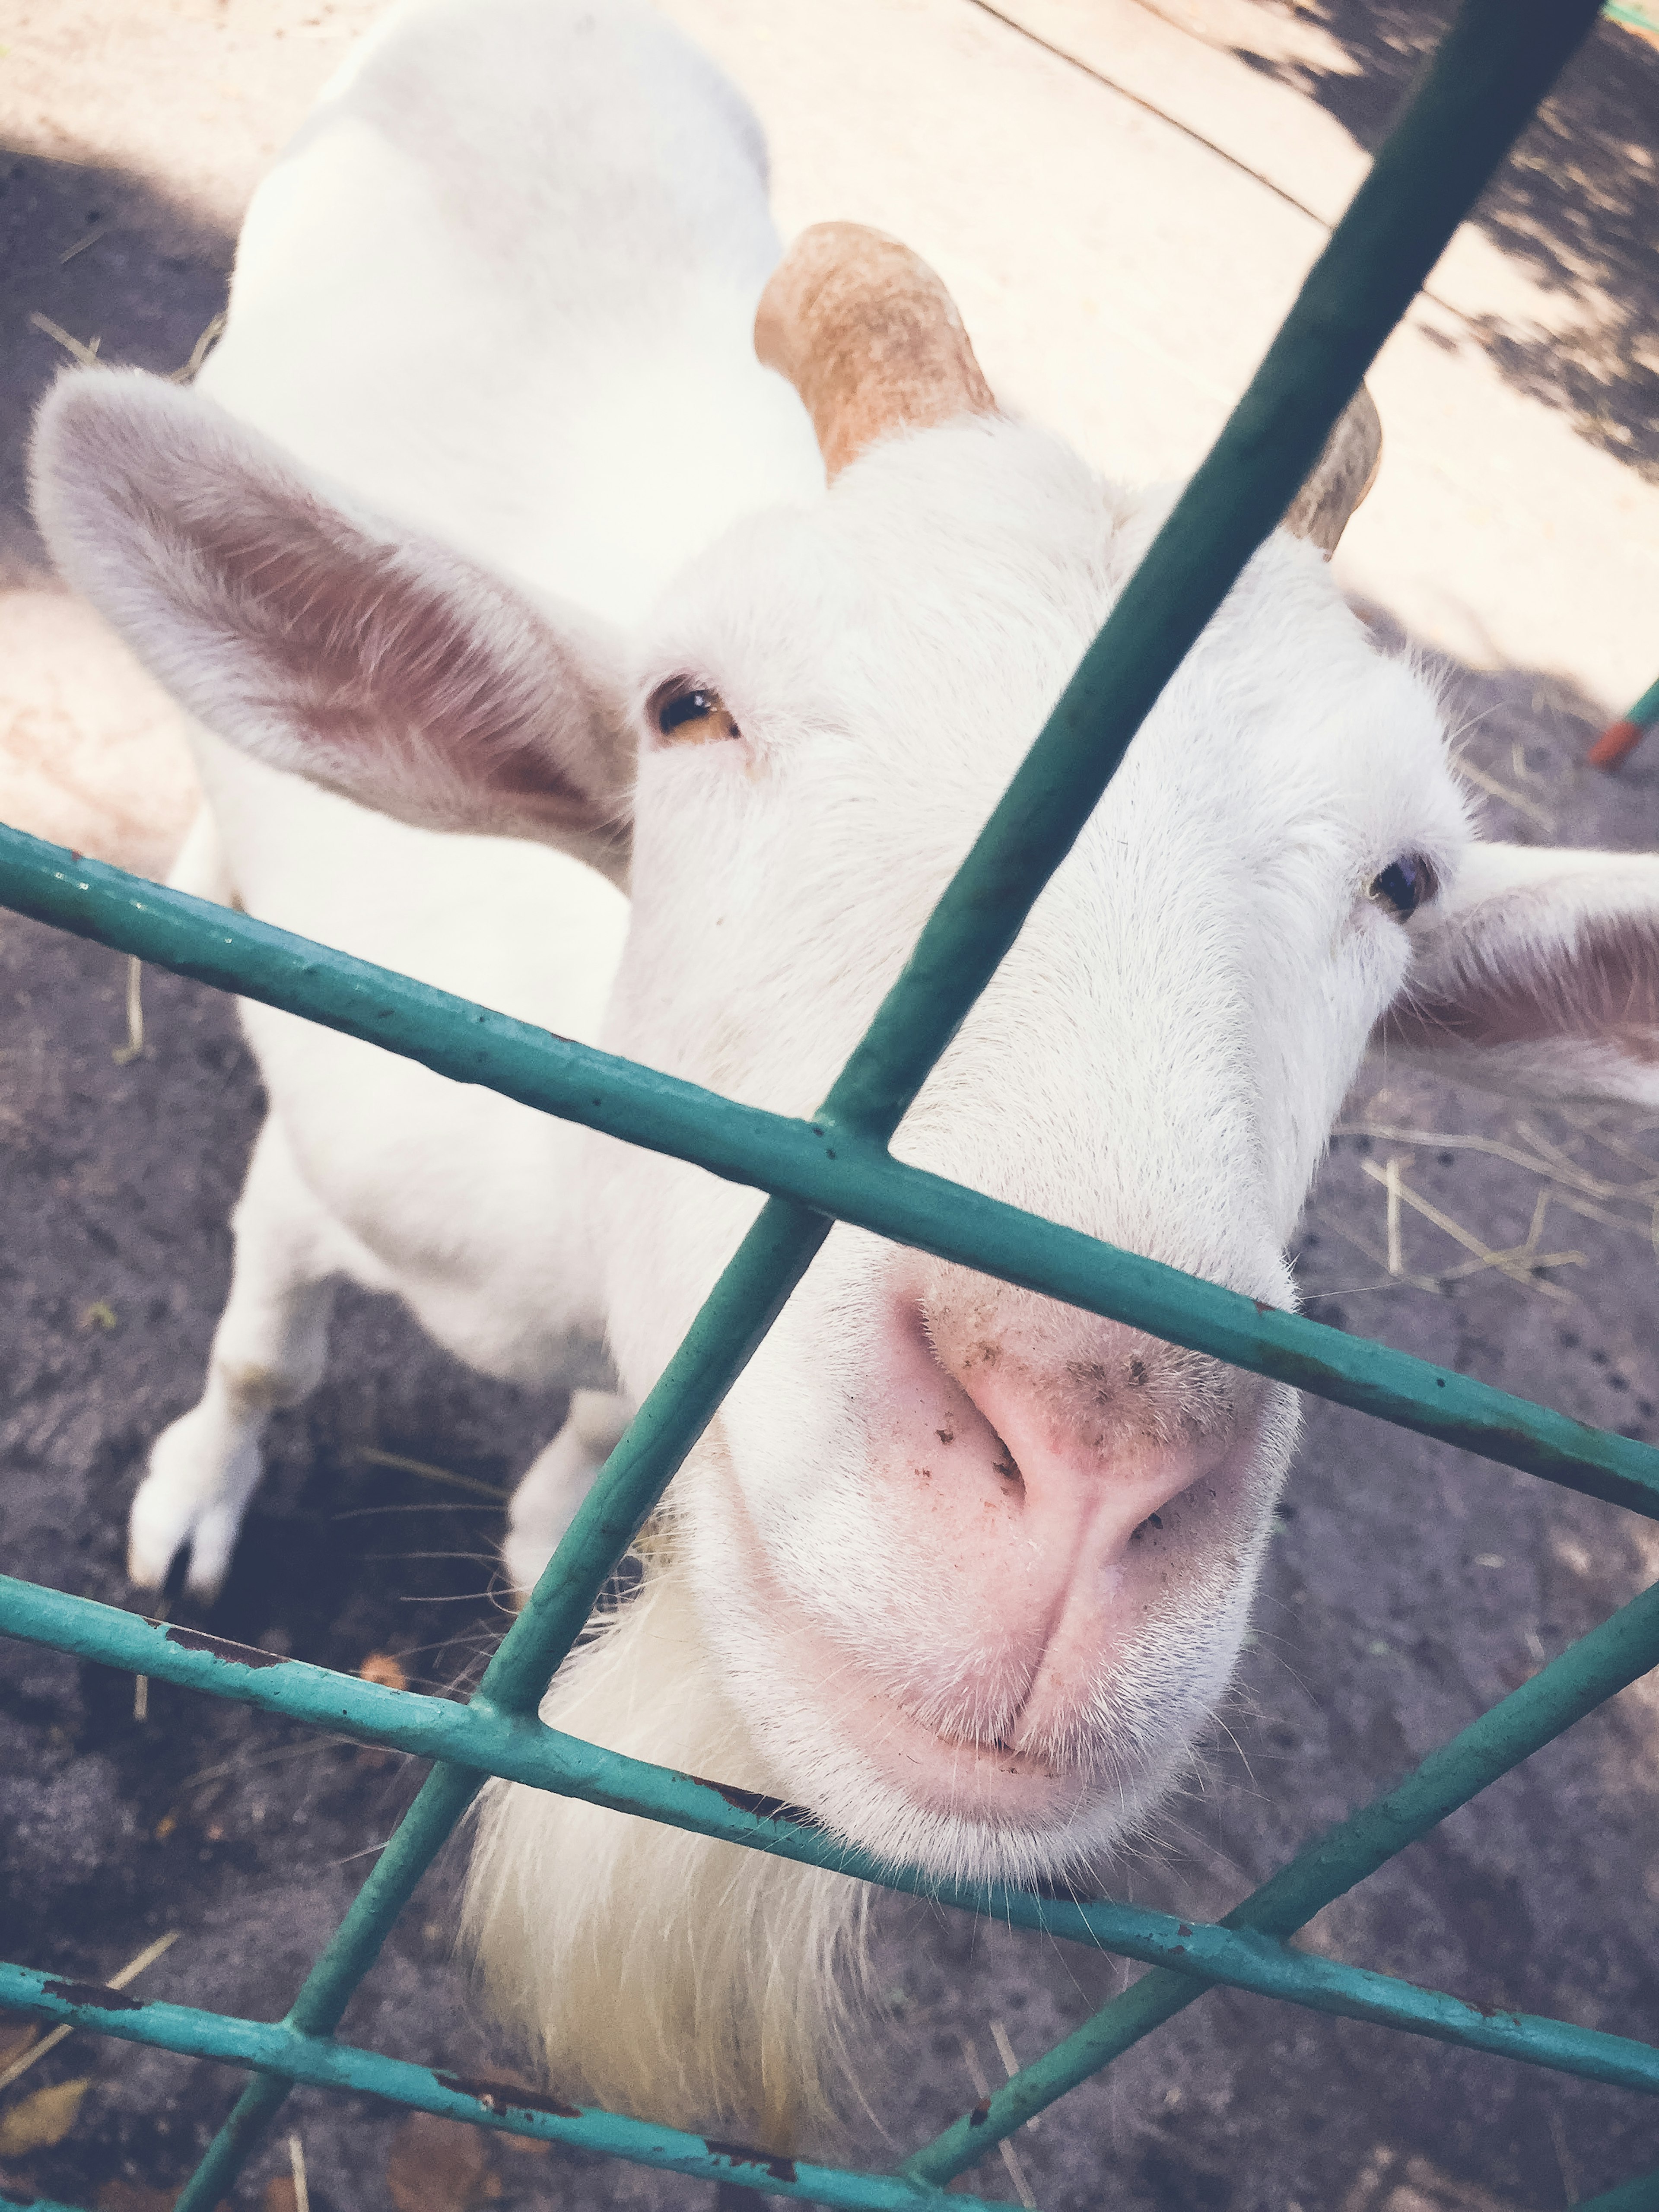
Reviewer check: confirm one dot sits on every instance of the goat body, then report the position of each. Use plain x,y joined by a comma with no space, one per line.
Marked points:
498,574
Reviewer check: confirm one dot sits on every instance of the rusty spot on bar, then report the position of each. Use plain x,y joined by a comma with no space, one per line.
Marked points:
238,1655
94,1996
504,2097
980,2113
779,2169
762,1807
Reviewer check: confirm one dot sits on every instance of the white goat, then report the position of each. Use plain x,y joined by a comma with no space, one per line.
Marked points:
484,521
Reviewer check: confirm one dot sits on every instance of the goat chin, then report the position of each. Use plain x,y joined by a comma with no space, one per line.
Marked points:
645,1969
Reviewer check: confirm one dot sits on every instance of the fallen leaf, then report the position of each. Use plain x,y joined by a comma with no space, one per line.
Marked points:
42,2120
439,2165
281,2195
383,1667
17,2035
530,2146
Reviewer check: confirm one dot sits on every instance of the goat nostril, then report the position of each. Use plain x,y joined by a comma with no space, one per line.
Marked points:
1152,1521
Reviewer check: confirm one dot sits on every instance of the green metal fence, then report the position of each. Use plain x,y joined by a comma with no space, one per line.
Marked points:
1495,64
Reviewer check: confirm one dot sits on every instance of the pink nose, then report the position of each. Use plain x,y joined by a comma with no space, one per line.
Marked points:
1089,1477
1050,1481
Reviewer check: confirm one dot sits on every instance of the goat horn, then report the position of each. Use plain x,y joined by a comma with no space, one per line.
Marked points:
870,338
1340,477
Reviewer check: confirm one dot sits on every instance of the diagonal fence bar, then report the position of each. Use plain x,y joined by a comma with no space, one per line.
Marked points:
1639,2194
1493,66
1605,1661
506,2108
1251,1961
1600,1664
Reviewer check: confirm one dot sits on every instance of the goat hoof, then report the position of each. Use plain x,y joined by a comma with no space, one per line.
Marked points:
524,1556
192,1501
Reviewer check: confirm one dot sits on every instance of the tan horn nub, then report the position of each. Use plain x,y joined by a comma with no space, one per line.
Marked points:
869,337
1340,477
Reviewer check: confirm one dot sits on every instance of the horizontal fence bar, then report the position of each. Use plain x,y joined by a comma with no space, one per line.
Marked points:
508,2108
526,1750
1607,1659
830,1171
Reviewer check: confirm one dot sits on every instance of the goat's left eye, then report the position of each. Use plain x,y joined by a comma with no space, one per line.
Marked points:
691,714
1404,885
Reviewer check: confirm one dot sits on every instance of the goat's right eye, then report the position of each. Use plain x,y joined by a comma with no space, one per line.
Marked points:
692,716
1404,885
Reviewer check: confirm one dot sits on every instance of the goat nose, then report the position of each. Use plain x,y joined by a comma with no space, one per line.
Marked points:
1085,1481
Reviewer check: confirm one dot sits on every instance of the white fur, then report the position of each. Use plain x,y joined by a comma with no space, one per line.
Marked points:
485,463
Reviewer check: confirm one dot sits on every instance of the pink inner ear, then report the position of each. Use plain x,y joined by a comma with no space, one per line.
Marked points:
1506,985
405,677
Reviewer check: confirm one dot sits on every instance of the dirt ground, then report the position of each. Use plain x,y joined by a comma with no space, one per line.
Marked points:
1409,1585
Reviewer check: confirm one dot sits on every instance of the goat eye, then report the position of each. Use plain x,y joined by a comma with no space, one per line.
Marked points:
692,716
1404,885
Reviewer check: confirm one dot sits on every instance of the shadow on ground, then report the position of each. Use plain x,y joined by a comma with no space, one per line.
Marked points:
1577,205
116,266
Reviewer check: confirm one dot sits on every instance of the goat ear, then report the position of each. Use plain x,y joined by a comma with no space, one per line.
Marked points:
1537,973
324,640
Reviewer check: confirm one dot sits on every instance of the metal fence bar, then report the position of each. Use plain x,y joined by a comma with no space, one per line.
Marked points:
821,1167
1640,2194
1242,1951
1490,71
1239,1957
508,2108
485,1740
1599,1665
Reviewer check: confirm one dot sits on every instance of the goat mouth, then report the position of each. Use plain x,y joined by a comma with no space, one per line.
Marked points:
951,1770
1050,1729
939,1767
994,1754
